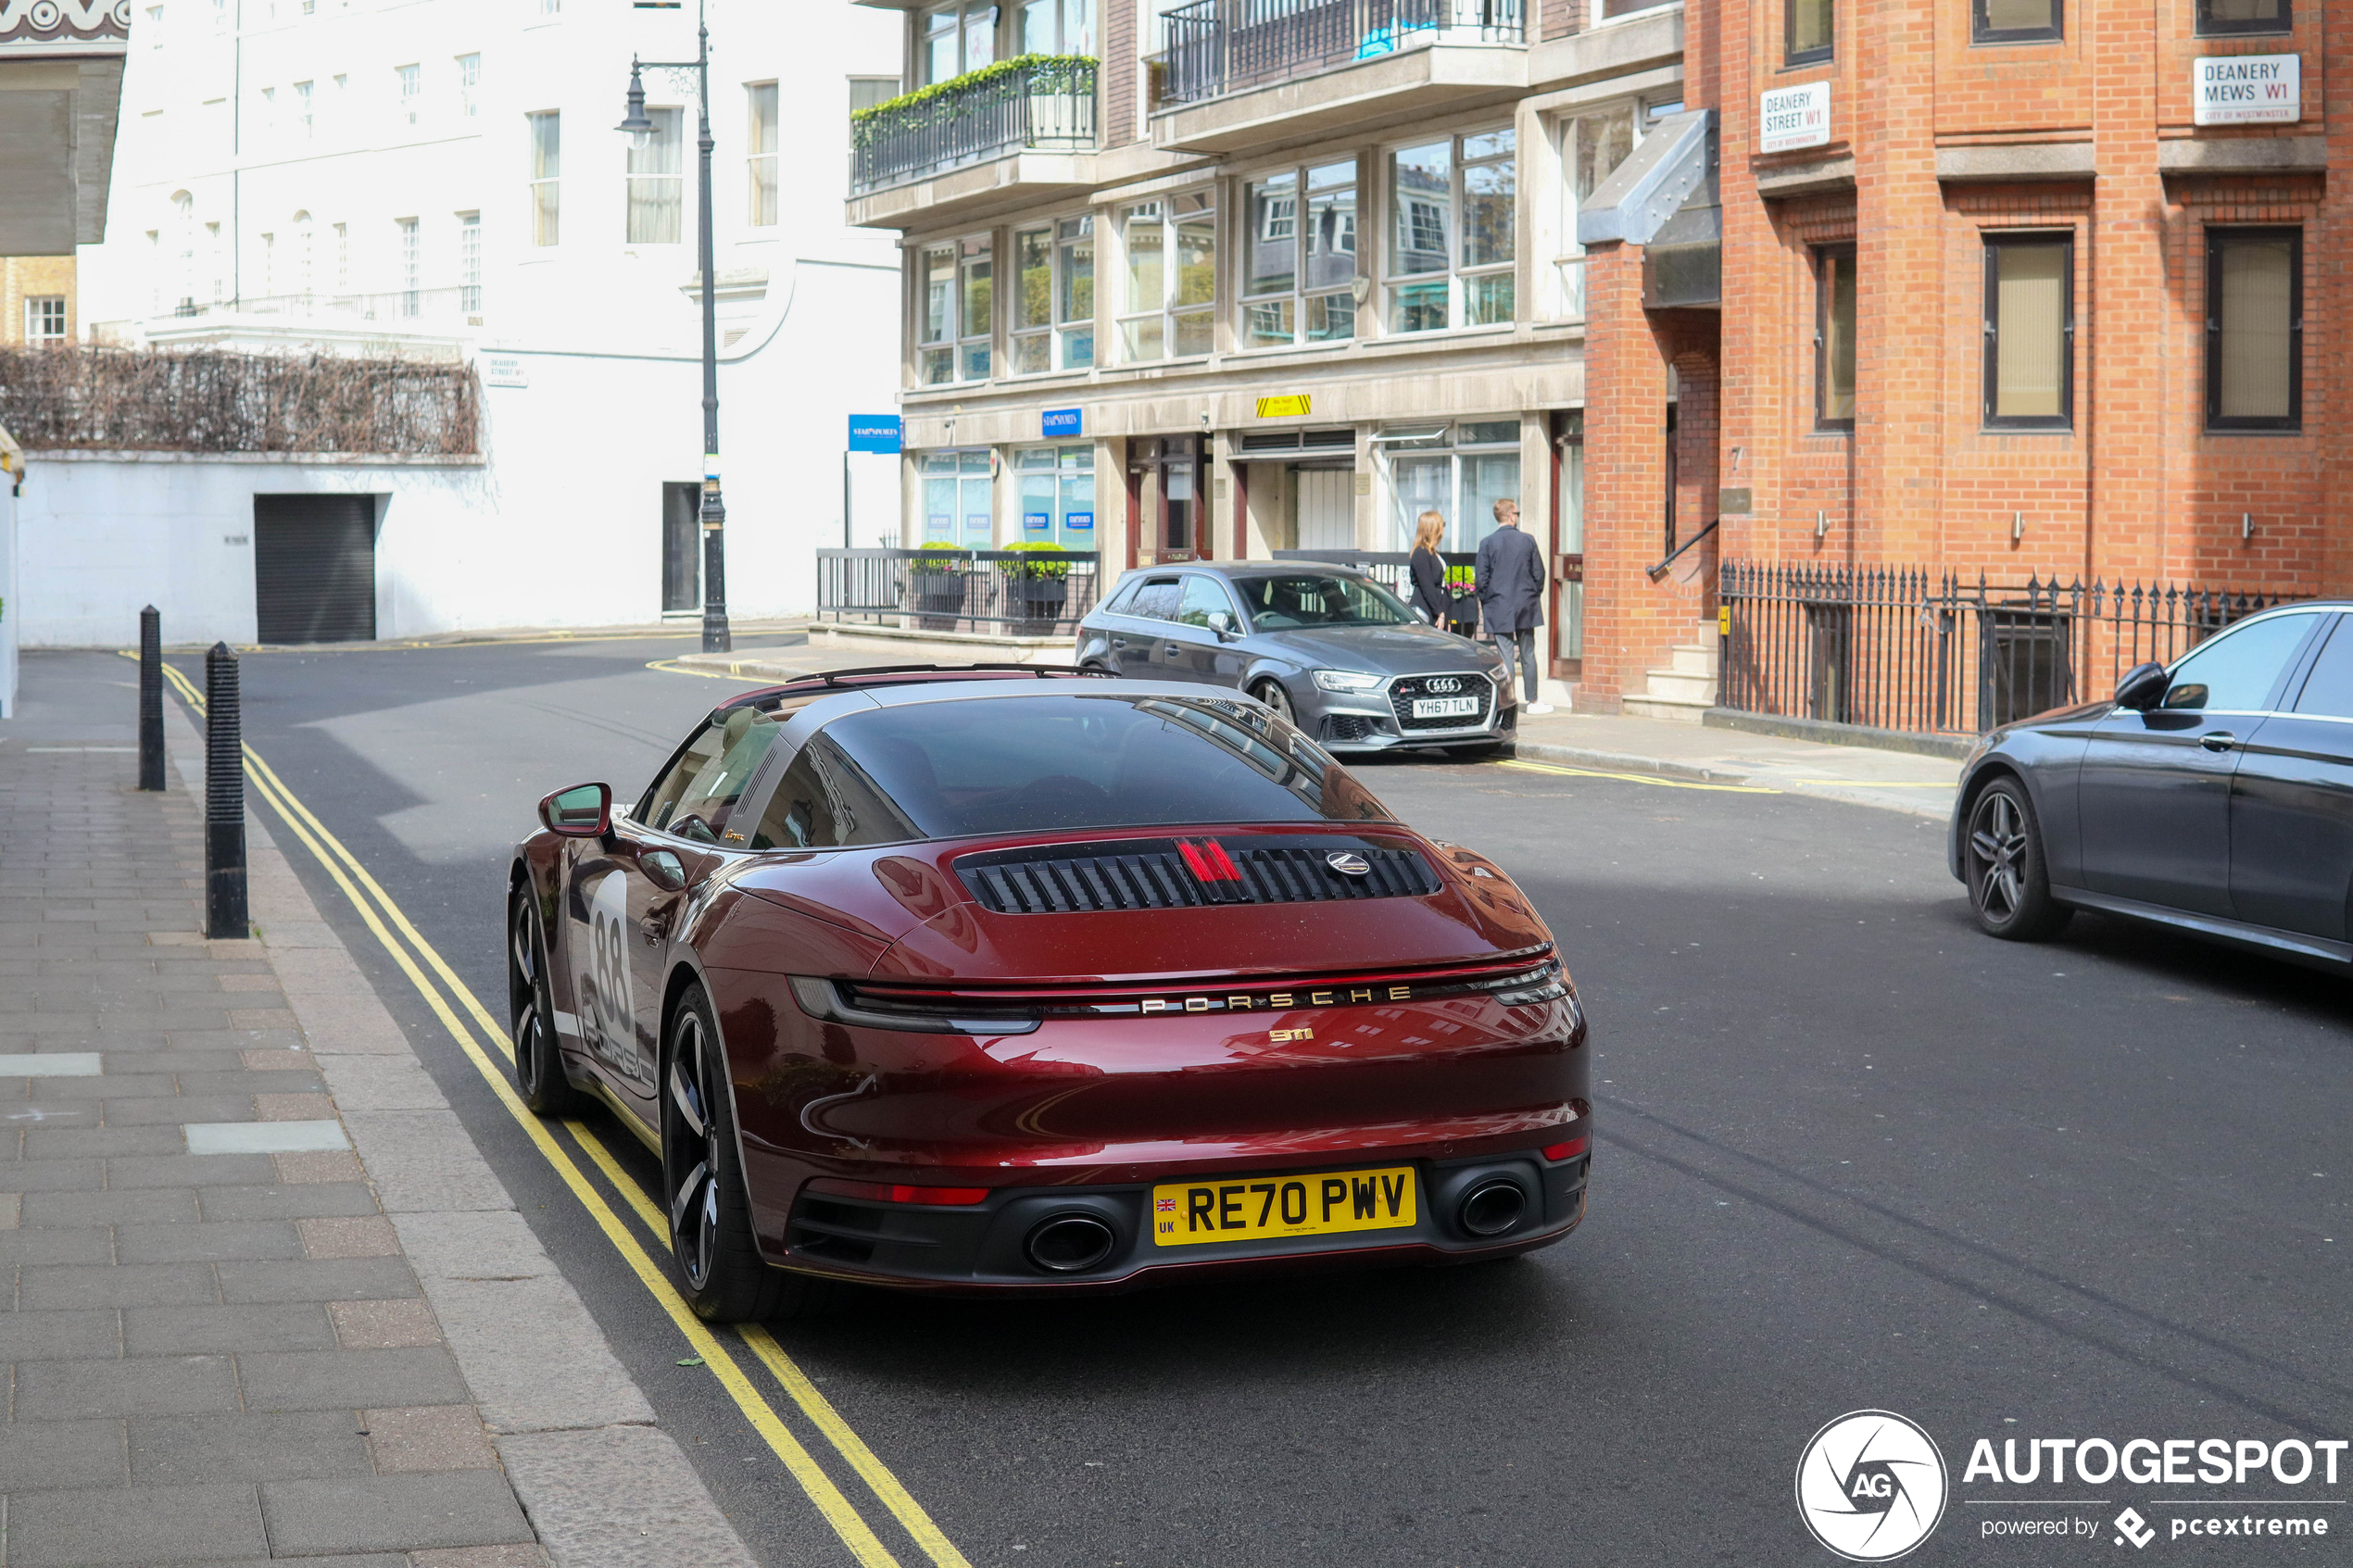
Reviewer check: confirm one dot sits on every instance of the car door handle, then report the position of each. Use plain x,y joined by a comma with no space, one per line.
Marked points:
2220,740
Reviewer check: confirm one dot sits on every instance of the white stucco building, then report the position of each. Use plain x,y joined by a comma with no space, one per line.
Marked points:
441,179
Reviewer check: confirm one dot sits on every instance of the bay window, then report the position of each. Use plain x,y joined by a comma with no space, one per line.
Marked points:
1299,258
1171,278
1452,242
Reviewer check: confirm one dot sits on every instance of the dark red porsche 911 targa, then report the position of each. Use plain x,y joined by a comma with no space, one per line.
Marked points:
996,980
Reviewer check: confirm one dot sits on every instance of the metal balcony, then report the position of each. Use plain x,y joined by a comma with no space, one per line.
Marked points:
1214,47
1040,103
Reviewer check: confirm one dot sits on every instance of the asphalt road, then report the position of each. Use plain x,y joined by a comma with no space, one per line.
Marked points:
1851,1154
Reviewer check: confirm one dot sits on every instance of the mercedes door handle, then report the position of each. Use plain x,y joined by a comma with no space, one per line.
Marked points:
2220,740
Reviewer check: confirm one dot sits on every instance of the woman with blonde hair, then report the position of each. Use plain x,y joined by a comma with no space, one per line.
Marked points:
1430,599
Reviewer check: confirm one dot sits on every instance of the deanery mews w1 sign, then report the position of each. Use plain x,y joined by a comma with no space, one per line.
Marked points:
1790,118
2247,90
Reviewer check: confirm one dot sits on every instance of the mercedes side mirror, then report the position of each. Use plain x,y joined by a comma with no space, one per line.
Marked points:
2142,687
581,811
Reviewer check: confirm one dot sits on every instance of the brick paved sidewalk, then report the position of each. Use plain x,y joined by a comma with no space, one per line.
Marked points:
219,1353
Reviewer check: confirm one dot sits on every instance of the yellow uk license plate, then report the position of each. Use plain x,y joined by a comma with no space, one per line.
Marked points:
1186,1213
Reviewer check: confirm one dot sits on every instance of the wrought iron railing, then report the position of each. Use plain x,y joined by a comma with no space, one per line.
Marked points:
1212,47
1038,103
1900,648
1021,593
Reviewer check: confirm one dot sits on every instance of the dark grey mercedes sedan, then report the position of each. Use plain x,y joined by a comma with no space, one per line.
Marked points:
1325,646
2215,796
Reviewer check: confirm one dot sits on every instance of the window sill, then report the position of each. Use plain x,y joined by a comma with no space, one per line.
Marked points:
1635,16
2236,431
2066,430
1449,334
1976,43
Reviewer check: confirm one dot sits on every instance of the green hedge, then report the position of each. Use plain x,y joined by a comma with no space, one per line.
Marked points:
1048,73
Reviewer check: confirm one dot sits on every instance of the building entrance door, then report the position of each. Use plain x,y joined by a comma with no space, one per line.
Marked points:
681,549
1326,508
1167,484
314,569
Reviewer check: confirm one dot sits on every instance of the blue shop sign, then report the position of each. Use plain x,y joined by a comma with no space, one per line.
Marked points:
1060,422
874,433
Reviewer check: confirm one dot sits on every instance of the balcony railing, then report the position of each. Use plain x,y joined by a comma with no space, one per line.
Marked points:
1212,47
1042,103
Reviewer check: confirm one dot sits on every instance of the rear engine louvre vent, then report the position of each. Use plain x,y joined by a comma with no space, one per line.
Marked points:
1169,873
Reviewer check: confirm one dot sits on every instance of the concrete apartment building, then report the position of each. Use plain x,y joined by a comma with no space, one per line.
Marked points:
442,181
1218,279
2019,287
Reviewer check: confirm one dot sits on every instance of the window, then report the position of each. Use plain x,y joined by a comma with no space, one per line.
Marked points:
956,304
1172,278
547,166
303,280
865,92
154,27
1809,28
1591,147
343,259
1835,337
1206,604
184,245
44,318
2220,17
1299,264
1440,191
2030,331
2254,329
957,39
1289,604
411,89
992,765
1056,26
2235,672
269,115
268,265
2328,690
700,791
470,263
407,231
956,501
654,184
1054,300
469,79
759,138
219,257
2014,21
1458,471
302,109
551,7
1058,496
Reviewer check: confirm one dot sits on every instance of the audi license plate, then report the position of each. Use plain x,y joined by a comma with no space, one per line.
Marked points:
1184,1213
1446,707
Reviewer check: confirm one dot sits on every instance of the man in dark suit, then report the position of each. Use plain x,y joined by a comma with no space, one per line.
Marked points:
1510,596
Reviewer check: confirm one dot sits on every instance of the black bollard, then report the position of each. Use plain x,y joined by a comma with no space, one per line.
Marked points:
224,799
150,699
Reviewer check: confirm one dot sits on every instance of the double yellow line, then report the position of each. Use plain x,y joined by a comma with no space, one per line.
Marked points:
471,1025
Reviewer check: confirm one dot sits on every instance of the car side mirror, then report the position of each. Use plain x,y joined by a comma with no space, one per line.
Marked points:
581,811
1222,624
2142,687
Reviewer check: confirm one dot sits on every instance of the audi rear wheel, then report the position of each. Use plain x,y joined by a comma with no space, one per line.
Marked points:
2010,884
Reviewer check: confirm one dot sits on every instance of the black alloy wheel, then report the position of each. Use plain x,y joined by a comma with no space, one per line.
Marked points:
1271,693
713,1255
2009,887
531,1008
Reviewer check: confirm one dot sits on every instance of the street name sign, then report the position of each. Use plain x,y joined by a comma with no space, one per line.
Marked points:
2247,90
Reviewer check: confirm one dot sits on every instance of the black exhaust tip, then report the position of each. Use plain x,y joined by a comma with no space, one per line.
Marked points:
1493,1208
1070,1243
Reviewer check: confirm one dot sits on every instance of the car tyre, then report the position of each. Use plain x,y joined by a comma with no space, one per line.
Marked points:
2010,884
714,1259
1271,693
531,1006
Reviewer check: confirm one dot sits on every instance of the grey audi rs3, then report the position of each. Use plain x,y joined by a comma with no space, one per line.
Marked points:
1325,646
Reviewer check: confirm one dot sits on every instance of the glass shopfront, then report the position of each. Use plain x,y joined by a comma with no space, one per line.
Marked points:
956,501
1458,471
1057,496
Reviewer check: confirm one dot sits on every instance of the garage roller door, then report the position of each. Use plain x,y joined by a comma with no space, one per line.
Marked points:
314,568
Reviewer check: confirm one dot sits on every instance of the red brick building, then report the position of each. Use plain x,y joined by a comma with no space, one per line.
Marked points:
2024,287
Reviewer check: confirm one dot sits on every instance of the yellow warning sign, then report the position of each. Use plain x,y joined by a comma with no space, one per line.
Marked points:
1293,406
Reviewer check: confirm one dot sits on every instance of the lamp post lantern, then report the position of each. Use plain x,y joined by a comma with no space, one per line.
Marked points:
716,637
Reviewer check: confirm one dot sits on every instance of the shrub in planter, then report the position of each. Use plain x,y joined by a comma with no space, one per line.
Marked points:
1041,588
936,584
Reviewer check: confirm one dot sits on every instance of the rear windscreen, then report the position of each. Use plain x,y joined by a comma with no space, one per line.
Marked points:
947,770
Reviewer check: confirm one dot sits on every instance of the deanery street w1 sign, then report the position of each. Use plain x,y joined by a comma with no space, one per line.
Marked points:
2247,90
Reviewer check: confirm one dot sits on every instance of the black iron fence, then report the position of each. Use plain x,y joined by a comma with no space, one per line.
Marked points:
1901,648
1217,46
1039,102
1020,593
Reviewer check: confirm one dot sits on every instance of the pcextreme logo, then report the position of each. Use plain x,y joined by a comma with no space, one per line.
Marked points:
1871,1486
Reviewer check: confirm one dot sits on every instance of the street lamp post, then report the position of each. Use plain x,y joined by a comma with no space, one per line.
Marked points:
716,637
